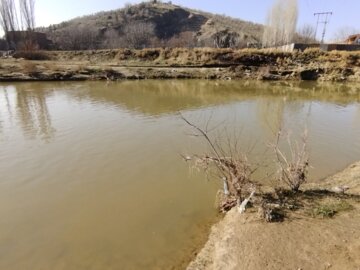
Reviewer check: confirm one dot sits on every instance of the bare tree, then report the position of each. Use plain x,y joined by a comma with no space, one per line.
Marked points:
281,23
306,34
76,37
9,21
290,22
4,22
112,39
27,11
344,32
8,16
138,35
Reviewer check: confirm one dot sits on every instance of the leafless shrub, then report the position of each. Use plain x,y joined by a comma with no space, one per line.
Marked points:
294,170
76,37
183,40
157,43
227,163
112,39
28,44
138,35
306,34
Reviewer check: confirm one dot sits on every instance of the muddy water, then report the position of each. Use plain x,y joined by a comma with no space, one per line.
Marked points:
90,173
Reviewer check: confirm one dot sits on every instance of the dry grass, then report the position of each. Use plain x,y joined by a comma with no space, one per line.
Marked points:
32,55
211,56
30,67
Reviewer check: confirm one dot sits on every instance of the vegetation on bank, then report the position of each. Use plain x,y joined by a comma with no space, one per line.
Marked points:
184,63
202,56
226,161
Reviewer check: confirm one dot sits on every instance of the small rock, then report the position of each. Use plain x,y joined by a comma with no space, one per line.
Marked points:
340,189
328,266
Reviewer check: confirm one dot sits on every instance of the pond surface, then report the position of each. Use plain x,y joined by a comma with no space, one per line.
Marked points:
91,175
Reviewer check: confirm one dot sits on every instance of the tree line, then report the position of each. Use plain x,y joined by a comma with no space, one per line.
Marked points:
15,17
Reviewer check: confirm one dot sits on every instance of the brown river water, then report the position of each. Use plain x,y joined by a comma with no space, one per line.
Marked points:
91,175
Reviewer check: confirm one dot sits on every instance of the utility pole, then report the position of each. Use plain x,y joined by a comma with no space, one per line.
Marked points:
322,18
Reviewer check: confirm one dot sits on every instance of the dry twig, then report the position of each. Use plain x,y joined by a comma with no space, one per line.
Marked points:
293,172
230,164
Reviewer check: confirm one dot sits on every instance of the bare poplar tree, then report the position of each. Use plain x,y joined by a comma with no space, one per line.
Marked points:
281,23
291,17
27,11
8,16
4,23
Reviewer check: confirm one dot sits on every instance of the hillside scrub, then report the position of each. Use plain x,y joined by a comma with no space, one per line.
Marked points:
171,26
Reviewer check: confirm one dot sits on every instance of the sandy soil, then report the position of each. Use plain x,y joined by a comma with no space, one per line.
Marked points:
300,242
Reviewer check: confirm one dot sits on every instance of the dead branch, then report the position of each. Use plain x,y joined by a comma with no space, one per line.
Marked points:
230,164
293,172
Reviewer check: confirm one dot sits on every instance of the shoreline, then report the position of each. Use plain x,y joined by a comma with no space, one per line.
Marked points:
246,242
181,63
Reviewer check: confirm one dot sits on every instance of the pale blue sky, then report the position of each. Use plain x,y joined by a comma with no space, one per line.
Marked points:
346,12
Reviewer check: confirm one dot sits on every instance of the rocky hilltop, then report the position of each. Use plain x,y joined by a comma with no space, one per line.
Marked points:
168,20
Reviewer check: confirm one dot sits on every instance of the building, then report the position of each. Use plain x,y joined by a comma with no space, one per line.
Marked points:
20,39
353,39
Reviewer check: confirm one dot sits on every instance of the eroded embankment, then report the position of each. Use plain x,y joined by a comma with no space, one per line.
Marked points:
181,63
302,241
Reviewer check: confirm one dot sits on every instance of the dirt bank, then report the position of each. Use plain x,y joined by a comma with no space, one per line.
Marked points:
300,242
181,63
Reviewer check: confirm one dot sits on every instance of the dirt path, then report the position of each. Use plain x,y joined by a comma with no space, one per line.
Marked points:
301,242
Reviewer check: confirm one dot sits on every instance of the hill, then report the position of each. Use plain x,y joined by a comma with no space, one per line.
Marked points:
156,24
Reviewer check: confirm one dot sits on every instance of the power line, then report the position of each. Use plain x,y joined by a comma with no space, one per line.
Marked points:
322,18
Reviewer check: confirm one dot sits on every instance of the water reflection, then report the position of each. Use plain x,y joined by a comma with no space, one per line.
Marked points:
270,113
28,104
156,98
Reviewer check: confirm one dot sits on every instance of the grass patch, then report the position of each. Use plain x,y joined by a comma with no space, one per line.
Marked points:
328,210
